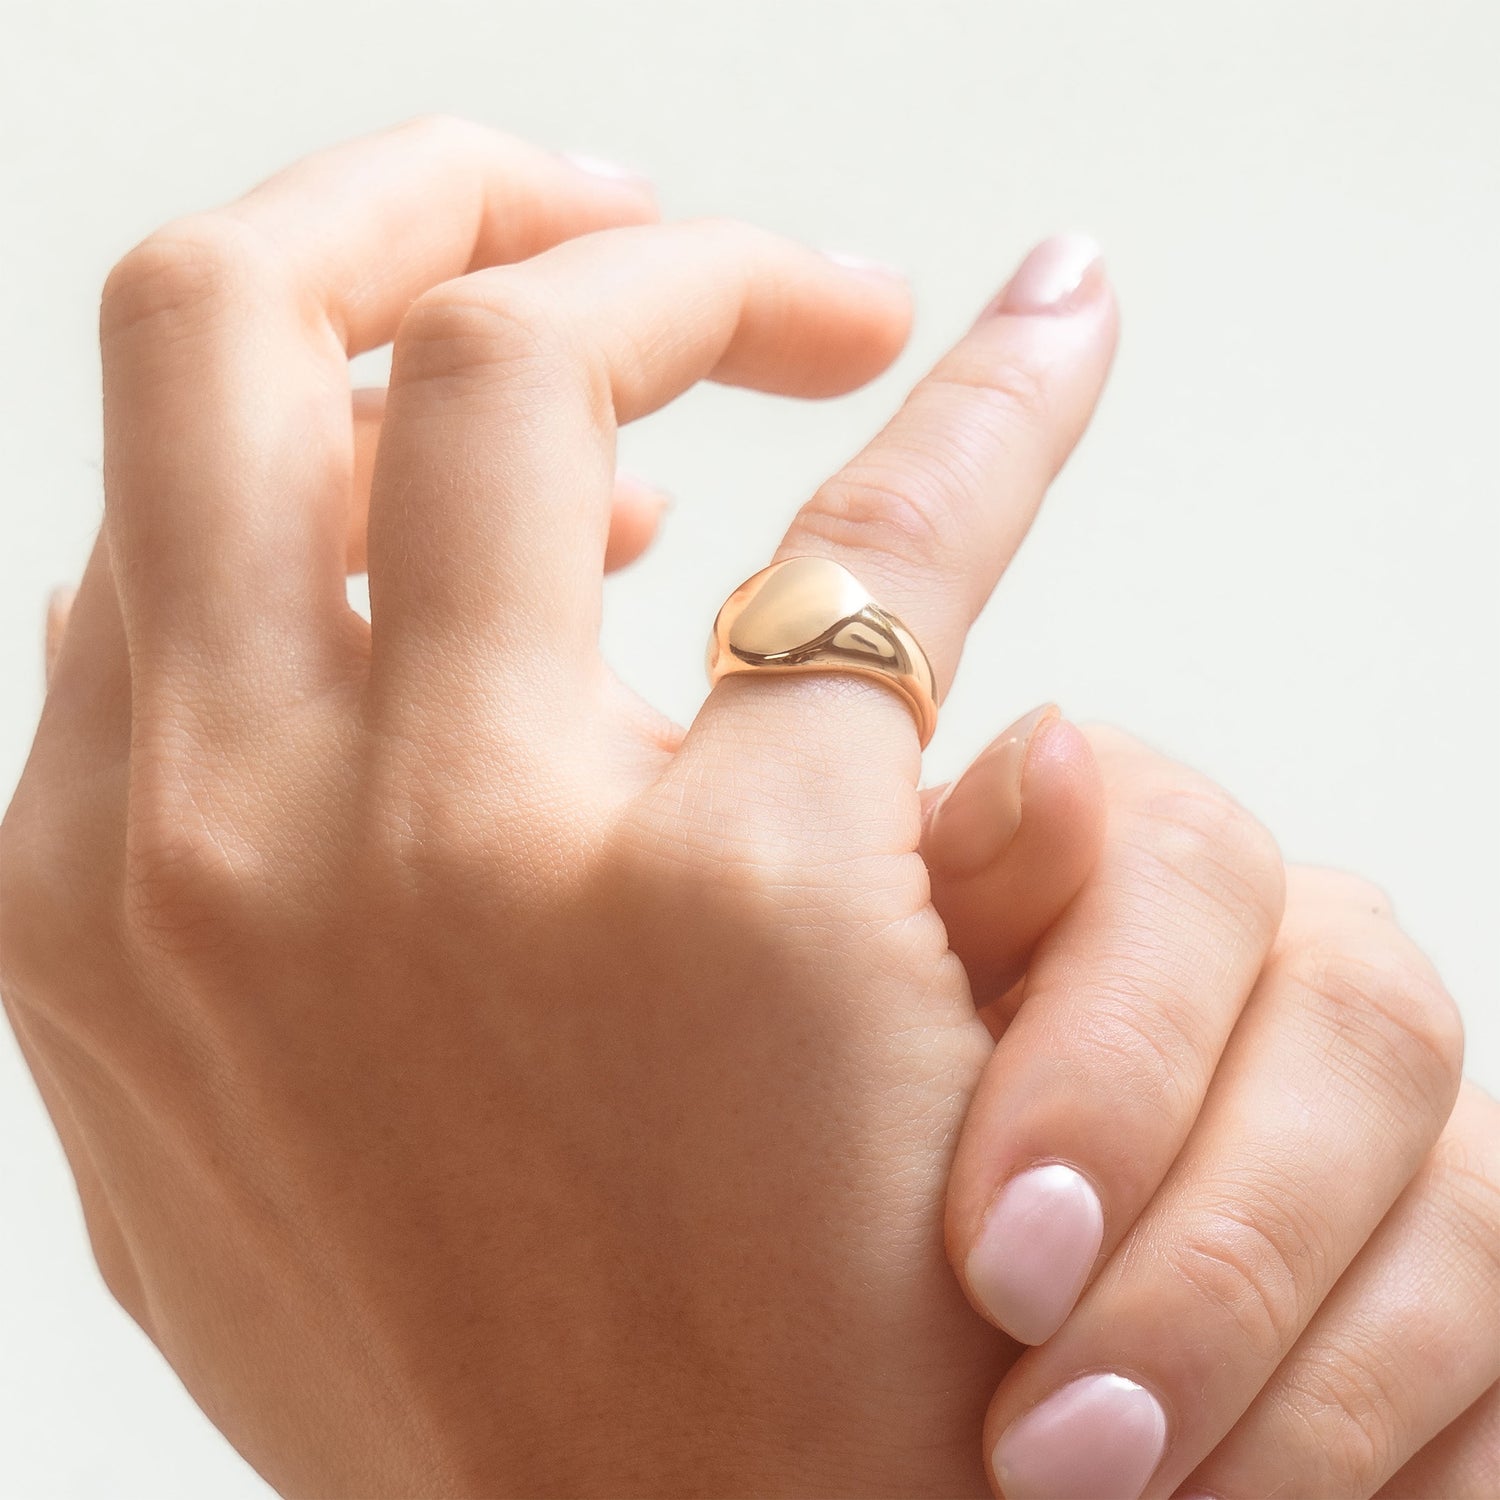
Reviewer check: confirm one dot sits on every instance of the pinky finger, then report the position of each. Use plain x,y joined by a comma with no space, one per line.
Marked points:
635,513
636,509
1461,1463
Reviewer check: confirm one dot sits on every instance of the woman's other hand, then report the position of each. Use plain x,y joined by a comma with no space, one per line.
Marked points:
1216,1171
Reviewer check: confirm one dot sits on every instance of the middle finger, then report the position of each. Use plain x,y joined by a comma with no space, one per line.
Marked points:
635,511
489,503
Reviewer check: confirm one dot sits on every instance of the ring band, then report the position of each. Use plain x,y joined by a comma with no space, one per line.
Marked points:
809,614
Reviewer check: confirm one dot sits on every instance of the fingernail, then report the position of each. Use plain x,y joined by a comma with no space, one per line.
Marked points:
977,817
596,166
1054,278
865,266
1102,1436
1035,1250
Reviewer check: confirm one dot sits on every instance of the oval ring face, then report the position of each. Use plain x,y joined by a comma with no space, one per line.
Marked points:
802,599
810,614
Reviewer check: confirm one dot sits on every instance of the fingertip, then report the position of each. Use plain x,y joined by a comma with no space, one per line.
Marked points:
1063,788
635,518
616,177
882,310
1058,317
1057,275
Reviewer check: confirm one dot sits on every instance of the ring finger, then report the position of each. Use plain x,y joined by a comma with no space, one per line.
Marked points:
926,518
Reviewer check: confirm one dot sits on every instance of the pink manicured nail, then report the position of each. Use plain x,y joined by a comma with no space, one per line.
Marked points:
977,817
1035,1250
1053,279
1100,1437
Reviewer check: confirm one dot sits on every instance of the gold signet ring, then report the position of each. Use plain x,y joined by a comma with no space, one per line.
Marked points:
809,614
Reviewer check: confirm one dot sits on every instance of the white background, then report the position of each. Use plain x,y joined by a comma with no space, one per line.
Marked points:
1276,554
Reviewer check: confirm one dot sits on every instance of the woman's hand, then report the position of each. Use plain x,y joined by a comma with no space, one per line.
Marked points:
474,1084
1224,1111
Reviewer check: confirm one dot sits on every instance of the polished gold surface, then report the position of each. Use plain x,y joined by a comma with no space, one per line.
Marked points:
809,614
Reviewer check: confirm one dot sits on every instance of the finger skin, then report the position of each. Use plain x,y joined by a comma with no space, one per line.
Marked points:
1461,1463
231,331
489,507
1348,1039
1402,1346
927,517
1126,1007
996,914
635,511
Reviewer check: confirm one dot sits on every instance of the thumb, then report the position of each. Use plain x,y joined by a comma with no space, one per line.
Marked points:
1009,843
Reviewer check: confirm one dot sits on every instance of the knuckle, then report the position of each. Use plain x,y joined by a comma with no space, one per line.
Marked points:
193,268
900,507
920,491
474,329
1005,395
495,307
1147,1039
1382,1003
1202,836
1245,1269
1343,1399
193,886
178,890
